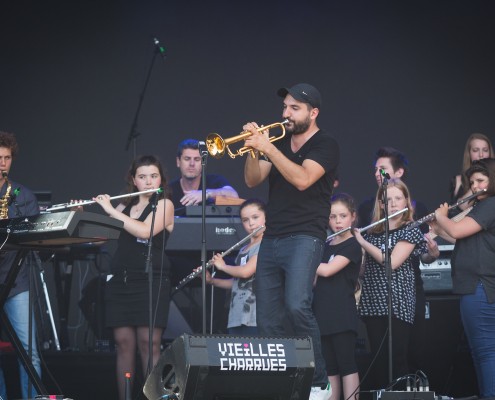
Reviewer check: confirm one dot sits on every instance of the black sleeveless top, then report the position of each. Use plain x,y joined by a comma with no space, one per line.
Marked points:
131,254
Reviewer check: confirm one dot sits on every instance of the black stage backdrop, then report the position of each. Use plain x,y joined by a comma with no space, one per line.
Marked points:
416,75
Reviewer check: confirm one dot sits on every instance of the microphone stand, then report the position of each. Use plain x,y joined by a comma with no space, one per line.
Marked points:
149,270
204,157
133,134
388,270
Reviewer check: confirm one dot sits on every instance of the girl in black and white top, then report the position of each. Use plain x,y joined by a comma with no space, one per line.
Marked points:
373,307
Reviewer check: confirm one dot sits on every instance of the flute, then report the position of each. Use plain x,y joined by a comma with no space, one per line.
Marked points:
87,202
210,263
431,217
369,226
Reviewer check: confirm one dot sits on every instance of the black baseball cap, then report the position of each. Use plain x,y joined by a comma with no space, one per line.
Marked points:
303,92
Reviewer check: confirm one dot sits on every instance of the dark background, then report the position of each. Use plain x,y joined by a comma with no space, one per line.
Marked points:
416,75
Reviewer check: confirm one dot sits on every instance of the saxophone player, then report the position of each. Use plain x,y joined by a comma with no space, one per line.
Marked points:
17,201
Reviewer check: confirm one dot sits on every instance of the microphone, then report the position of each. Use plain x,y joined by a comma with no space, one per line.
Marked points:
202,148
154,197
384,174
13,195
159,48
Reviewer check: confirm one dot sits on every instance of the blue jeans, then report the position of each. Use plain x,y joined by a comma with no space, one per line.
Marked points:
285,272
17,310
478,318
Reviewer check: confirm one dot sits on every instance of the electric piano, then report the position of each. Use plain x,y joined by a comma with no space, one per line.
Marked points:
59,229
38,231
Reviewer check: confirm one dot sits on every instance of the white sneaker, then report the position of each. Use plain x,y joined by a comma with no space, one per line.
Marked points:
317,393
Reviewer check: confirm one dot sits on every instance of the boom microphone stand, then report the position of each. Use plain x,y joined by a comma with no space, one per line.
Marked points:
204,157
133,134
149,270
388,269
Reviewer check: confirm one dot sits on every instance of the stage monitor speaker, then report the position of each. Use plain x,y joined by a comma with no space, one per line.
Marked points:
227,367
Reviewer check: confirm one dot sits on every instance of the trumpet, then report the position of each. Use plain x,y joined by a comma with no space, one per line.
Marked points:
209,264
63,206
367,227
431,217
217,146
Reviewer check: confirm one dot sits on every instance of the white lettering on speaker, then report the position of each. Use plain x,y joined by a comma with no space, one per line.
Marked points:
252,356
225,231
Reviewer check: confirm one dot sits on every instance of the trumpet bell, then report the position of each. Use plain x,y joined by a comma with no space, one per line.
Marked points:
215,145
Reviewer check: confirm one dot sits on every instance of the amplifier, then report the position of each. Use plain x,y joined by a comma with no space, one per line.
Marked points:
437,275
221,233
211,367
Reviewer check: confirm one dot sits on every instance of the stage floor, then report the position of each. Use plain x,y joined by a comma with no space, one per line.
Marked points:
91,375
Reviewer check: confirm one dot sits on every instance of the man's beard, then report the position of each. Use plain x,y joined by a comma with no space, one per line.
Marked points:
300,127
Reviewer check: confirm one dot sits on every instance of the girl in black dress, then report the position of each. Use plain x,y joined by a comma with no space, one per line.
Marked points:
127,291
334,303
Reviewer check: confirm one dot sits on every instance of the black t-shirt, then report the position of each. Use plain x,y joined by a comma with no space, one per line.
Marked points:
334,303
473,259
292,211
212,182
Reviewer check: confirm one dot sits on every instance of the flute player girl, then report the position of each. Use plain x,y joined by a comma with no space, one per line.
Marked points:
334,303
473,270
242,313
403,244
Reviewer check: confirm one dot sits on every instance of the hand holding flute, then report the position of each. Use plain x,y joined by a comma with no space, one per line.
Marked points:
431,217
367,227
210,263
81,203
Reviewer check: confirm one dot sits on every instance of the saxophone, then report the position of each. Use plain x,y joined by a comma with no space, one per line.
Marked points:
4,201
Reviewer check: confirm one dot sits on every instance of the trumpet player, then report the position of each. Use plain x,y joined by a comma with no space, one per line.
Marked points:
301,169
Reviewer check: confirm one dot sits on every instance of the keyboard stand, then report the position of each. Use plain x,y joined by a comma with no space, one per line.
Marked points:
21,352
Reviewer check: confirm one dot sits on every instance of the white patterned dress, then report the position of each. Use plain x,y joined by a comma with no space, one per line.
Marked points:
374,294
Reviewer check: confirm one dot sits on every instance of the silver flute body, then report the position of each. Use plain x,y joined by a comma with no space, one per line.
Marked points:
210,263
431,217
369,226
63,206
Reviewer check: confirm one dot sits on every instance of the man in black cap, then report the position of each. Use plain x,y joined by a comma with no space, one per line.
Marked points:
301,169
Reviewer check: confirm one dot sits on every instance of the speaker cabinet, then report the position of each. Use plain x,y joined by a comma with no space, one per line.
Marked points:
449,365
224,367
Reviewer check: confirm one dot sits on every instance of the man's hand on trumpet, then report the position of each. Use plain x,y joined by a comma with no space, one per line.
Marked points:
261,143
